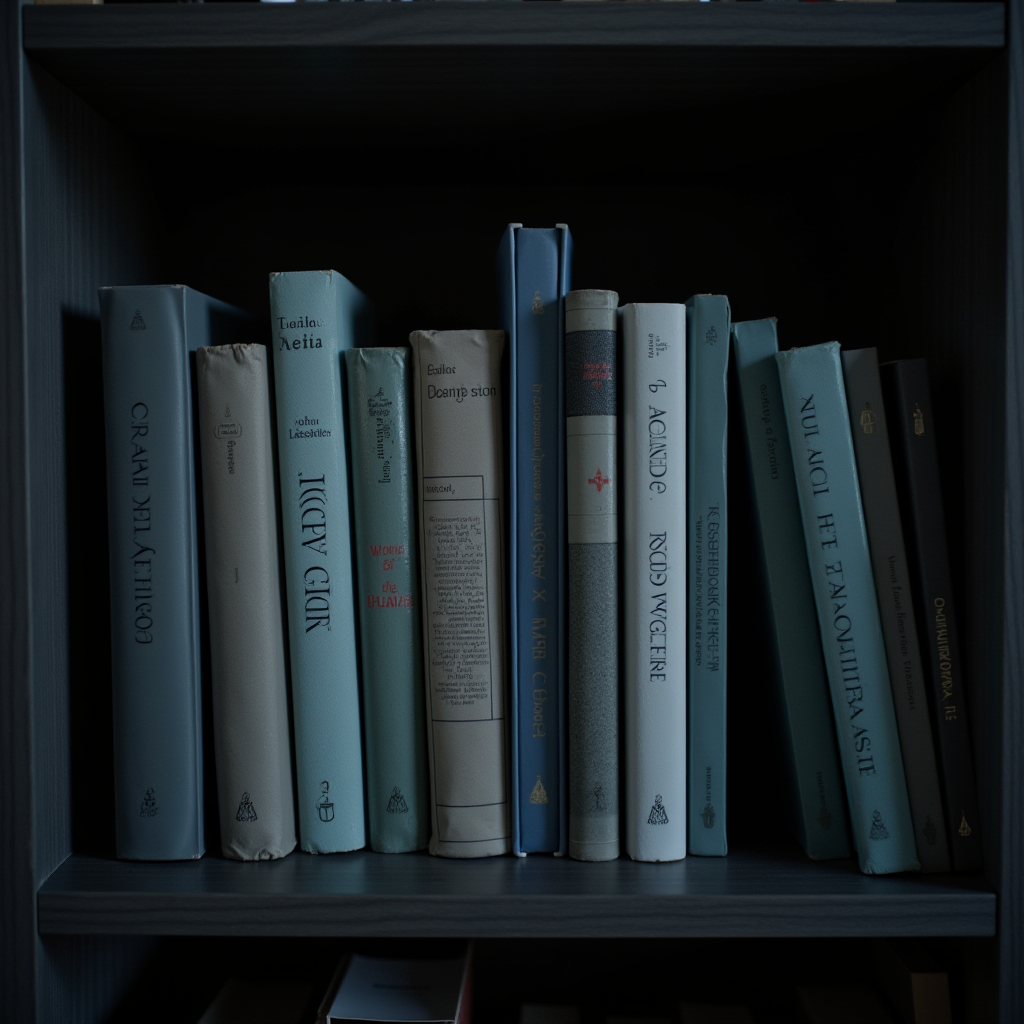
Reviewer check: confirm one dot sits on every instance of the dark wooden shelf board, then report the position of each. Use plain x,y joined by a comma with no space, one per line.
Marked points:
770,893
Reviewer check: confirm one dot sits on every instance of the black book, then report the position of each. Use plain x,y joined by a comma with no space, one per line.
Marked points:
915,459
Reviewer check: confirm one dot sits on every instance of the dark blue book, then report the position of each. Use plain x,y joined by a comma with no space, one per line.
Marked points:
533,272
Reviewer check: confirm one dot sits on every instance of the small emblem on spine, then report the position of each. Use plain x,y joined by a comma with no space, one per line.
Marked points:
964,829
918,420
658,815
324,806
149,808
246,811
868,421
137,324
712,336
599,481
397,804
538,304
878,829
929,831
708,816
599,800
539,794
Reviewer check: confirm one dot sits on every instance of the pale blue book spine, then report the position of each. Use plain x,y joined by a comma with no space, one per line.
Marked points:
844,589
534,267
315,316
390,606
815,778
707,354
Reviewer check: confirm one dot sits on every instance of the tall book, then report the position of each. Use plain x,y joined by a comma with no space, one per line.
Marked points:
851,634
150,335
592,474
252,737
533,276
654,589
459,441
315,316
895,603
707,409
816,781
920,489
388,575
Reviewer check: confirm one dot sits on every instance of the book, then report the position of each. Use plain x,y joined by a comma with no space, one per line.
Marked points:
915,984
812,756
252,735
895,603
592,474
459,442
253,999
851,635
842,1004
149,338
654,587
388,575
534,266
707,408
315,316
920,487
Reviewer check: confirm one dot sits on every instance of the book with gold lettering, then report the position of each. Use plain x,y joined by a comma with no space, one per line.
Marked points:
919,486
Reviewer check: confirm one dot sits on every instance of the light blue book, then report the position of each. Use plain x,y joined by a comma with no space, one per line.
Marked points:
390,602
844,588
816,782
533,273
150,335
315,316
707,356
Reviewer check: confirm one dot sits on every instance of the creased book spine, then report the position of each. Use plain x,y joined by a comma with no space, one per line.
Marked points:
390,600
870,431
592,472
654,572
459,441
252,739
816,779
851,634
315,316
707,408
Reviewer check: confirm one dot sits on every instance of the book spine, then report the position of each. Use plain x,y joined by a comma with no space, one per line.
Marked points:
154,575
707,354
919,486
592,472
312,321
535,283
654,591
387,572
844,589
252,739
459,440
816,780
895,603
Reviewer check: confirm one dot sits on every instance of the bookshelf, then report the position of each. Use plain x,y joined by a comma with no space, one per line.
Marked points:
854,169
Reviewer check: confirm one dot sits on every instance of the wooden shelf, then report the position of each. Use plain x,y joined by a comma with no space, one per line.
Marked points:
747,894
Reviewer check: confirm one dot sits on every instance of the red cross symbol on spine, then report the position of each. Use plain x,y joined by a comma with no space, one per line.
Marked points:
597,480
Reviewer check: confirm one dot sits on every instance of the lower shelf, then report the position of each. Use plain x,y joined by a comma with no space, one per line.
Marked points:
763,893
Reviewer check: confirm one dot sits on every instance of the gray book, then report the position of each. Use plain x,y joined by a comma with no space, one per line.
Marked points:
250,704
592,475
459,442
895,603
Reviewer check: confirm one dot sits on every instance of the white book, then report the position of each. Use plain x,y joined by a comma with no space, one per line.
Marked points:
653,502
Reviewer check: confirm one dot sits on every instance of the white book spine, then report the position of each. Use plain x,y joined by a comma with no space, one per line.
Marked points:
654,562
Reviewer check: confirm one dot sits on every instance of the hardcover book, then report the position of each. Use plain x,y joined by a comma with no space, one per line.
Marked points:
851,634
315,316
150,335
459,442
252,738
816,781
707,409
895,603
533,277
654,589
919,485
388,575
592,473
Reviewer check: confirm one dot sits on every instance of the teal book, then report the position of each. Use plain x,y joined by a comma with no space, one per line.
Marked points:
390,606
707,408
844,589
315,316
150,337
815,778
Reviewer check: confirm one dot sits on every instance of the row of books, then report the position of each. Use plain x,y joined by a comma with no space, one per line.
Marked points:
455,667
